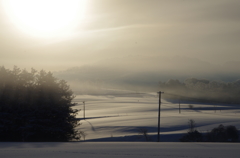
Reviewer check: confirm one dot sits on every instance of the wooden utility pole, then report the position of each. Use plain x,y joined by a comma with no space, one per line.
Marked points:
159,109
179,107
84,110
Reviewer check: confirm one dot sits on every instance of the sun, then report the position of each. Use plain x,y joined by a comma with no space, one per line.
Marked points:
45,18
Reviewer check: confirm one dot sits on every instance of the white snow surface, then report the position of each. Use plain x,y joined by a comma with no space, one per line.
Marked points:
119,117
112,124
119,150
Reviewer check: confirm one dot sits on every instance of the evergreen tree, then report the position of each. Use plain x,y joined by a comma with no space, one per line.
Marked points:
35,106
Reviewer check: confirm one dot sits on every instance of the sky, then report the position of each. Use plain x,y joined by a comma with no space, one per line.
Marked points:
110,33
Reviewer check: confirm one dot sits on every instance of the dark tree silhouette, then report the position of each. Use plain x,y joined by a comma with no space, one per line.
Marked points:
193,134
202,90
35,106
223,134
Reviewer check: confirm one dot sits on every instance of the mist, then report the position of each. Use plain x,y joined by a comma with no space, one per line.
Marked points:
136,73
204,30
133,45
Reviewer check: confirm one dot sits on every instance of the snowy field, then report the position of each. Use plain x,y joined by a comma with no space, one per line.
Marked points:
112,124
120,117
119,150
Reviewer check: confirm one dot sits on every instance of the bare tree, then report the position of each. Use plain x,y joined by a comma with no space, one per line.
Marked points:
144,132
83,134
192,125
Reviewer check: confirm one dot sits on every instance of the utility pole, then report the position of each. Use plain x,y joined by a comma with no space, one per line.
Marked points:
179,107
84,110
159,108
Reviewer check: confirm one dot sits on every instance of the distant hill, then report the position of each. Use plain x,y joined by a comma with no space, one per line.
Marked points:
144,72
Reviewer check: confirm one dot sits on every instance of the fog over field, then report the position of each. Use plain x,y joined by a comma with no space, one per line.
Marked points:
116,55
146,73
122,44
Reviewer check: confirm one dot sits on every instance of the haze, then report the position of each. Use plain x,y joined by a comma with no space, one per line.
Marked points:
194,38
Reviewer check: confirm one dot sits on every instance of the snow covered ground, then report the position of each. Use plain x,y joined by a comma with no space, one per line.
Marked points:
120,117
112,126
119,150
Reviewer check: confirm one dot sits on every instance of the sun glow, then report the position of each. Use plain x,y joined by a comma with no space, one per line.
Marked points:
45,18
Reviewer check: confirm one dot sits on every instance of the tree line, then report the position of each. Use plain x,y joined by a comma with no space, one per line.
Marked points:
202,90
35,106
218,134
